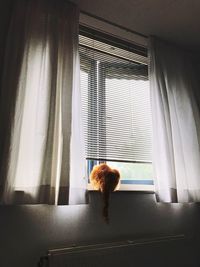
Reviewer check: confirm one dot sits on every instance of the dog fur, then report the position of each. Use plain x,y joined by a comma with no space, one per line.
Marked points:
106,180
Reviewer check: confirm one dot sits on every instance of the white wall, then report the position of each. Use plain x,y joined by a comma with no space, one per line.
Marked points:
27,232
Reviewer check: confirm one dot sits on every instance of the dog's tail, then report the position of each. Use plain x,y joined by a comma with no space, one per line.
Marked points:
106,197
111,181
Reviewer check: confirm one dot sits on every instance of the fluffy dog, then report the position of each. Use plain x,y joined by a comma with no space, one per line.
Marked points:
104,179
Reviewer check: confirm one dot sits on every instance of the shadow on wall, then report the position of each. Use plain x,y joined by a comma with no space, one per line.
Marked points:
27,232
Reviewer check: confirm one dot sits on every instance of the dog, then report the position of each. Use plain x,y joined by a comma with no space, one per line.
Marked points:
106,180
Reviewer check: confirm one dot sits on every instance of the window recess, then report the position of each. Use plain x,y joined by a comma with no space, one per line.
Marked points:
116,109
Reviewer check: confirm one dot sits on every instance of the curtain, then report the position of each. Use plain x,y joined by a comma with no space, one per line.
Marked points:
41,144
176,123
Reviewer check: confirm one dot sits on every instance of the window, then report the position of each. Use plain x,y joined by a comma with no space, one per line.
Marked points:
116,109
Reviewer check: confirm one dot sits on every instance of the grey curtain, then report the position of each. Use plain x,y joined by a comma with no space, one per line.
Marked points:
176,122
41,144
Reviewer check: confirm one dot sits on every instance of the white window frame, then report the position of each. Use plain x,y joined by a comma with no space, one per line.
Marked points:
130,187
114,31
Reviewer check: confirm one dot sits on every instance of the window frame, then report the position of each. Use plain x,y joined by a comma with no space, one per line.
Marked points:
122,187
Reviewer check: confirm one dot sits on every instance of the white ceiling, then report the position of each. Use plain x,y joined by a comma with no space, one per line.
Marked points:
177,21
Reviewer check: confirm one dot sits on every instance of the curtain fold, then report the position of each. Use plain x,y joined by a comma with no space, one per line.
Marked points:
176,123
39,92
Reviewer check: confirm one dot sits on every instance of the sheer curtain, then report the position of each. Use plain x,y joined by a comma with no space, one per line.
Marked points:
41,145
176,123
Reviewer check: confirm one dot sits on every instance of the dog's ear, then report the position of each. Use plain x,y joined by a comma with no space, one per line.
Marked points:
117,174
112,180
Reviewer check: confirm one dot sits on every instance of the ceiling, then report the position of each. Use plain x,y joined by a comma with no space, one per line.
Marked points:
177,21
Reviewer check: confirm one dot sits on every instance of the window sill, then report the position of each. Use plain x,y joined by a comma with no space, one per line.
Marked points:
131,187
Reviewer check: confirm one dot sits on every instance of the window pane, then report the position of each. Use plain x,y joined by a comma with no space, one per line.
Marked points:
128,119
130,173
139,173
116,111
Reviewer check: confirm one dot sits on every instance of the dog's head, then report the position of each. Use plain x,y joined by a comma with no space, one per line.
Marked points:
104,178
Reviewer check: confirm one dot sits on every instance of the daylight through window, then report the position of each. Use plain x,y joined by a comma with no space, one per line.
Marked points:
116,110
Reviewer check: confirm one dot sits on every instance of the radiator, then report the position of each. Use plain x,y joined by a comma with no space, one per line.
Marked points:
171,250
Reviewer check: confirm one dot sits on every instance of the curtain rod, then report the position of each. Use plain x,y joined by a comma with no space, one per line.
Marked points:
113,24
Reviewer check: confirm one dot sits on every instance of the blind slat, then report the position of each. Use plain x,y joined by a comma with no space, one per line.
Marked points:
115,103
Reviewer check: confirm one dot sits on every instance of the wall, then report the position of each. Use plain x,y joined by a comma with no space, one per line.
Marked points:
5,15
27,232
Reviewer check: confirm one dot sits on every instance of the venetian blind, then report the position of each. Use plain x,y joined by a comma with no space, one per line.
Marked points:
115,102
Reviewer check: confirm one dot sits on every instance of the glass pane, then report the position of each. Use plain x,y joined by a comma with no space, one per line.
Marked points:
128,120
134,173
130,173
